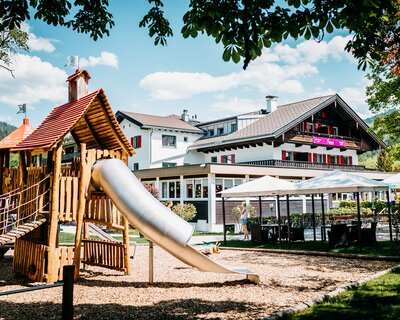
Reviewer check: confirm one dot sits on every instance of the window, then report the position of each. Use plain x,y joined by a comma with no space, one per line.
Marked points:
223,184
233,127
335,131
220,131
210,132
228,158
136,166
136,142
200,187
168,164
214,159
168,141
185,139
170,189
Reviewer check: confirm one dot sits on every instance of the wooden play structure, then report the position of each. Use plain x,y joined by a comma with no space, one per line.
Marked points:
45,192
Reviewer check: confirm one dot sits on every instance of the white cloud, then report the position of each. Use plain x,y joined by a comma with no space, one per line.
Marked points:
35,81
280,70
37,43
108,59
237,105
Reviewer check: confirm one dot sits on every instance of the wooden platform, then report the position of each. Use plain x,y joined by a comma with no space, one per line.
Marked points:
20,231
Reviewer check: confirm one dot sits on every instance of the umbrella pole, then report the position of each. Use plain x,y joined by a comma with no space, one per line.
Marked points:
313,217
389,205
259,204
323,217
223,219
359,219
278,207
288,215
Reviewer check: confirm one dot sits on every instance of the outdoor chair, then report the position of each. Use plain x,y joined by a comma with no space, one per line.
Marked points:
338,236
368,235
353,231
297,234
284,232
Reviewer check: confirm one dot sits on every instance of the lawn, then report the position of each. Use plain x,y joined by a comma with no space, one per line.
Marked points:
382,248
375,299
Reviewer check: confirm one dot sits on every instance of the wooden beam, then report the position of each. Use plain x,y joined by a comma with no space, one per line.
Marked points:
81,209
53,261
93,133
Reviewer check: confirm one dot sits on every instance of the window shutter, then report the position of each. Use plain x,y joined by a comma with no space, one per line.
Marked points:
309,157
316,127
132,141
315,156
324,158
350,160
329,158
223,159
139,141
283,155
232,158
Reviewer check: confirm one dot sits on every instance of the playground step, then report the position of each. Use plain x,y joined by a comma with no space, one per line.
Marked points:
20,231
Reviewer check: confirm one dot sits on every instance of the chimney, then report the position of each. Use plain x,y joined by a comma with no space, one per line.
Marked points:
271,103
185,115
25,121
78,85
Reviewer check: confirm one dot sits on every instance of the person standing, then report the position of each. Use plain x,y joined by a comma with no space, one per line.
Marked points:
243,219
393,198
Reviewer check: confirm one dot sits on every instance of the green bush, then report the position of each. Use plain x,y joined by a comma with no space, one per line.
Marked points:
186,211
347,204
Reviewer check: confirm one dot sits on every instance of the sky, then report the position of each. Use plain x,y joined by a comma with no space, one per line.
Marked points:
186,74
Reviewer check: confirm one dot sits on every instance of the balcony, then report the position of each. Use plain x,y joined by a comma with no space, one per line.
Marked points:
305,165
308,138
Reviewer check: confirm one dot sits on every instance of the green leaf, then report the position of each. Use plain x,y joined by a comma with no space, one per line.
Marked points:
226,56
329,27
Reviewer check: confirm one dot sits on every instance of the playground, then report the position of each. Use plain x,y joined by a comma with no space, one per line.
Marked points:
181,292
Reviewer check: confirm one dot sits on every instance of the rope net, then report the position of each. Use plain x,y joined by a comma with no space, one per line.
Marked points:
19,206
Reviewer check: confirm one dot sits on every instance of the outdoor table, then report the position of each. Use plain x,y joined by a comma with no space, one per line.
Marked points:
328,226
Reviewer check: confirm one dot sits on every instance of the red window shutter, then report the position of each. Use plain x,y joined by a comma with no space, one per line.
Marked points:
315,156
322,114
139,141
223,159
324,158
309,157
283,155
316,127
342,159
132,141
329,158
307,127
232,158
350,160
330,129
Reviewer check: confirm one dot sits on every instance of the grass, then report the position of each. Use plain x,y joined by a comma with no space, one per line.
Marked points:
382,248
375,299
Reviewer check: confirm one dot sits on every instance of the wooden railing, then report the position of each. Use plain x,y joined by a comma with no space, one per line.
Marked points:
100,209
304,165
104,254
68,203
65,257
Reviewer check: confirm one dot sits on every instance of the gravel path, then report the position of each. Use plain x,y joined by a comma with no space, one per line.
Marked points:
180,292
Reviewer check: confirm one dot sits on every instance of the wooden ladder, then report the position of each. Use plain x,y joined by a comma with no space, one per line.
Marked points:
20,231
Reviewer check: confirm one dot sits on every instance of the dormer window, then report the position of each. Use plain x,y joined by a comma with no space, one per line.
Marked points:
210,132
220,131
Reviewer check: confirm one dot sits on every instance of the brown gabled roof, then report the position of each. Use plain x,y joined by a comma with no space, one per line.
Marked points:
17,135
89,119
148,120
269,126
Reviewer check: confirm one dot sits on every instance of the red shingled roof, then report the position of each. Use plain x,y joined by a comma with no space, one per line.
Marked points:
17,135
63,119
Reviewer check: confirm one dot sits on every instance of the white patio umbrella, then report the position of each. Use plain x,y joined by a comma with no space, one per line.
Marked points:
265,186
393,180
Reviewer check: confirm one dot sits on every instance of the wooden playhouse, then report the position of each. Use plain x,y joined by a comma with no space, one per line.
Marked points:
51,192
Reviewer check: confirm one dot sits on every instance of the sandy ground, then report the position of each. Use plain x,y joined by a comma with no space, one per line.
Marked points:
180,292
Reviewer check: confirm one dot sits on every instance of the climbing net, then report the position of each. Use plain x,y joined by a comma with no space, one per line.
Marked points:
19,206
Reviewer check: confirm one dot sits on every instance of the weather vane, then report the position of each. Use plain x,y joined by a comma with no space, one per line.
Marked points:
22,108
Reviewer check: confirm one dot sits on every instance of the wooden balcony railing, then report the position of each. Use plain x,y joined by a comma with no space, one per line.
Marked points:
305,165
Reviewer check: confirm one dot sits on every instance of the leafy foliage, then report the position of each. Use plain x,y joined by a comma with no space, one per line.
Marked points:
243,27
383,162
186,211
11,41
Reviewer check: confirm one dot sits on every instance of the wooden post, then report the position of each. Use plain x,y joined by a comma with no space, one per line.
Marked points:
126,242
81,210
68,293
52,266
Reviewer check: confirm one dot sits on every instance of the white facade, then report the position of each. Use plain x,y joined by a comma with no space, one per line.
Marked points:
152,152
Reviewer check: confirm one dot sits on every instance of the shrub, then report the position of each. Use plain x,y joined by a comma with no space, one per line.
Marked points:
347,204
186,211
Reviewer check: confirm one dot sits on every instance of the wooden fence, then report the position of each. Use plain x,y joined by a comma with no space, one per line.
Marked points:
29,259
100,209
65,257
68,203
104,254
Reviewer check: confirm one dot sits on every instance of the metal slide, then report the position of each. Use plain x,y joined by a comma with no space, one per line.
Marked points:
151,218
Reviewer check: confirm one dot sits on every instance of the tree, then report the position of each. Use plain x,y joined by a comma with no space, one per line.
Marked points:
11,41
383,162
243,27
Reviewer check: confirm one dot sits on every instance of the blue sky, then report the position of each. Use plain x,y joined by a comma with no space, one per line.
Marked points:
187,74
